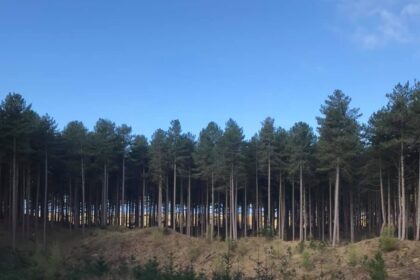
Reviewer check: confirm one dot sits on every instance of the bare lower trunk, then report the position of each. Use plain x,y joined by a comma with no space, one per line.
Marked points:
245,212
310,213
418,206
14,196
189,206
351,219
330,211
38,186
336,229
257,209
159,210
403,207
389,201
301,204
278,212
212,207
45,202
104,198
123,192
83,196
174,201
143,196
269,195
293,209
381,186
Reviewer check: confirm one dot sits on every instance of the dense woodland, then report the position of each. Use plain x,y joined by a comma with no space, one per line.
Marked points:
346,181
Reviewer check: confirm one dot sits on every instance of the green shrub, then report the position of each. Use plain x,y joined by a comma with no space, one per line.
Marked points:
267,232
96,268
232,245
353,256
306,260
317,245
301,247
387,241
376,267
194,253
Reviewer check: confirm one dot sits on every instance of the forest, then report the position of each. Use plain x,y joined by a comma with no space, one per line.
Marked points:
343,182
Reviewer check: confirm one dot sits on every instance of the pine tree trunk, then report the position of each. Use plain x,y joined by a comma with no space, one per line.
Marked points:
226,212
245,212
143,197
45,202
301,203
304,214
212,207
207,210
159,210
351,218
330,211
283,211
70,208
232,206
381,185
38,186
418,206
257,209
293,209
189,206
103,206
389,201
310,213
278,212
399,202
336,229
83,195
14,196
167,219
403,207
269,194
174,201
123,208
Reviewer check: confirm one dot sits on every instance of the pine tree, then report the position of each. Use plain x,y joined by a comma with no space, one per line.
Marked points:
301,147
16,122
266,155
338,143
158,163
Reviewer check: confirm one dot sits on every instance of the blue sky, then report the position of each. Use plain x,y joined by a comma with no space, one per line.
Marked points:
145,63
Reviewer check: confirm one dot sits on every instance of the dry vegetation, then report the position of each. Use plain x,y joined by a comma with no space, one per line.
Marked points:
248,256
316,261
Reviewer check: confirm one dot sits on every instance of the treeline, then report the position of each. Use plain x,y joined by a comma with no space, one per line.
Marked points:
348,181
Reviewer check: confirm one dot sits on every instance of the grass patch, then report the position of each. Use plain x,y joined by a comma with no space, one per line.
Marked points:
387,241
353,256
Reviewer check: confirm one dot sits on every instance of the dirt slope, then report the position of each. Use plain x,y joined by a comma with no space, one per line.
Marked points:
247,255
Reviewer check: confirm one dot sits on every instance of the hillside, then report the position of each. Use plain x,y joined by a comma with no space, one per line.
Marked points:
117,251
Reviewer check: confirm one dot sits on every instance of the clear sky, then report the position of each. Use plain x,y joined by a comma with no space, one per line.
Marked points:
145,63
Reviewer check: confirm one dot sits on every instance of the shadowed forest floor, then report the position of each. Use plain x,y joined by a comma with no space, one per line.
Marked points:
113,252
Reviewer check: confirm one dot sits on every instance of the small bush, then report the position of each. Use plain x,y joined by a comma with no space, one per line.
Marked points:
337,275
193,253
317,245
267,232
376,267
306,260
387,241
353,256
232,245
301,247
99,267
242,249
